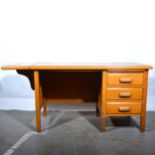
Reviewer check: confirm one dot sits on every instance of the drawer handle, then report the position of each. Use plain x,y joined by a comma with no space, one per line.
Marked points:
124,109
125,80
124,95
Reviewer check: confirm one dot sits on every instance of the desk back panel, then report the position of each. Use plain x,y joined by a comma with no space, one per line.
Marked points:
73,86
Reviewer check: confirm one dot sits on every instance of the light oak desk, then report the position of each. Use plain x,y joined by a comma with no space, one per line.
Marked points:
118,89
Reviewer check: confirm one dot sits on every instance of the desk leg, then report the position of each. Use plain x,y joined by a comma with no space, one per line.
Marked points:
97,110
41,97
103,100
143,115
98,105
44,107
43,102
142,123
37,100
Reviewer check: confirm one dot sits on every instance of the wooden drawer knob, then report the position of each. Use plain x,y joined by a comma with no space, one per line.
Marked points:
124,109
124,95
125,80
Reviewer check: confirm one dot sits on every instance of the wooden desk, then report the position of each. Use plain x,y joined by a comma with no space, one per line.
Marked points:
118,89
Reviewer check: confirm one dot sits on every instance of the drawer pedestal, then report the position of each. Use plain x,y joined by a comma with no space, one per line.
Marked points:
123,93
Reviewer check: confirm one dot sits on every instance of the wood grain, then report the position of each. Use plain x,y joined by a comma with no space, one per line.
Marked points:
119,88
143,113
115,107
126,79
97,66
37,101
124,93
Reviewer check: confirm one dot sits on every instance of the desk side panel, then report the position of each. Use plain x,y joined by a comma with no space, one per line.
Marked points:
29,75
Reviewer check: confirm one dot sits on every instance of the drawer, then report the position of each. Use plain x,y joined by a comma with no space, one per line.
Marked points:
124,93
125,78
123,107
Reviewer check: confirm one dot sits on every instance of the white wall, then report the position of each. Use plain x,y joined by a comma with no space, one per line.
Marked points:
77,31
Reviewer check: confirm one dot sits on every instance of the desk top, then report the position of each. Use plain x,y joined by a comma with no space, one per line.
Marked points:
76,66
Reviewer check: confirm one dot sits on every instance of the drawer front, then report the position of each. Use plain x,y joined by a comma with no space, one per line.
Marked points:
124,93
125,78
124,107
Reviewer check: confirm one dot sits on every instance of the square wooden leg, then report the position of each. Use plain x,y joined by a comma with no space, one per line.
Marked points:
103,123
97,110
44,107
142,123
37,101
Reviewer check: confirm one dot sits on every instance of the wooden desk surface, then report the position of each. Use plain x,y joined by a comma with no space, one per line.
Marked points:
76,66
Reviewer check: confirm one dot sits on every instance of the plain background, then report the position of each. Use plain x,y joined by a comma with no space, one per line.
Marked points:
71,31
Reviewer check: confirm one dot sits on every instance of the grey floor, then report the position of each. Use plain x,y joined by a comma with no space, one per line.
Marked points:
74,133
